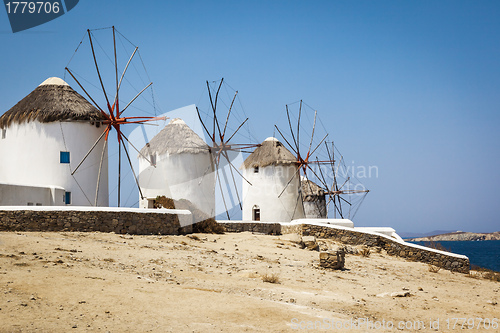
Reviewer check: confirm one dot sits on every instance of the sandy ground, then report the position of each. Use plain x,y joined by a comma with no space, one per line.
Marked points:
62,282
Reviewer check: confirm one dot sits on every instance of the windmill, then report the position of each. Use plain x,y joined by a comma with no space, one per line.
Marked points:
112,113
316,164
222,127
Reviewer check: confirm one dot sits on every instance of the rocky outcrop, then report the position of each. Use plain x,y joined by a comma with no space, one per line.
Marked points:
459,236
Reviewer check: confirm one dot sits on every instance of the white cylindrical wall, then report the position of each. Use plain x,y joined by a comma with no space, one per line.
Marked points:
315,209
180,176
264,193
31,156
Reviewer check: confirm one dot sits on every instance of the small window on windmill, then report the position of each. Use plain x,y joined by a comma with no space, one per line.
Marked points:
67,198
4,133
256,169
152,159
64,157
30,204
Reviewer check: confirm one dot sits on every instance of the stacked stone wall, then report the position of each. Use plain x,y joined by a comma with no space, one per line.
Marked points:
86,221
257,227
354,237
394,248
126,222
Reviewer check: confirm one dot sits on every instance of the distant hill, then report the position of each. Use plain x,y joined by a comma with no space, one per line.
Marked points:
425,234
458,236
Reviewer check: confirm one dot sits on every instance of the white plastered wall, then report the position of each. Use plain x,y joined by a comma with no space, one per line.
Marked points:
179,176
14,195
264,193
31,157
315,209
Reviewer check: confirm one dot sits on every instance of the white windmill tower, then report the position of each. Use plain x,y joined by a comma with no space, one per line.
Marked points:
274,195
42,138
179,167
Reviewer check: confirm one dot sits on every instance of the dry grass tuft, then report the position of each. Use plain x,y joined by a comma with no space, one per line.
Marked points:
485,273
434,269
493,276
365,252
436,246
271,278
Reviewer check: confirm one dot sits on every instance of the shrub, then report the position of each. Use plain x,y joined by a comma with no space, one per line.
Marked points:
207,224
271,278
164,202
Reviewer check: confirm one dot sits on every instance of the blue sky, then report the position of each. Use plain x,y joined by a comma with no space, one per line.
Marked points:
411,87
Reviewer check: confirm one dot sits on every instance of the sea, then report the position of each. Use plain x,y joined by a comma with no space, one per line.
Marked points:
481,253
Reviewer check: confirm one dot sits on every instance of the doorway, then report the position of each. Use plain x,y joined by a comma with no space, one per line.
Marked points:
256,213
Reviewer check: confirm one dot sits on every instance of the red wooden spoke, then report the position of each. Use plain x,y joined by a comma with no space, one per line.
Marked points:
112,118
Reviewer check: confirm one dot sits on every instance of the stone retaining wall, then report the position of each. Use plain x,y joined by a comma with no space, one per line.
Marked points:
257,227
394,248
140,223
120,222
353,237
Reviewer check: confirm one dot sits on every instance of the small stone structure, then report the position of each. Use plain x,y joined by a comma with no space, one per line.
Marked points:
309,242
118,220
332,260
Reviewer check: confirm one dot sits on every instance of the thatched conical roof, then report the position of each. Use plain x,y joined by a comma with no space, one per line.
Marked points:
53,100
310,189
175,138
271,152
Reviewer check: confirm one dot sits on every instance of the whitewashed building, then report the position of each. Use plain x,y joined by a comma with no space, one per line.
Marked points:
177,164
275,191
42,140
